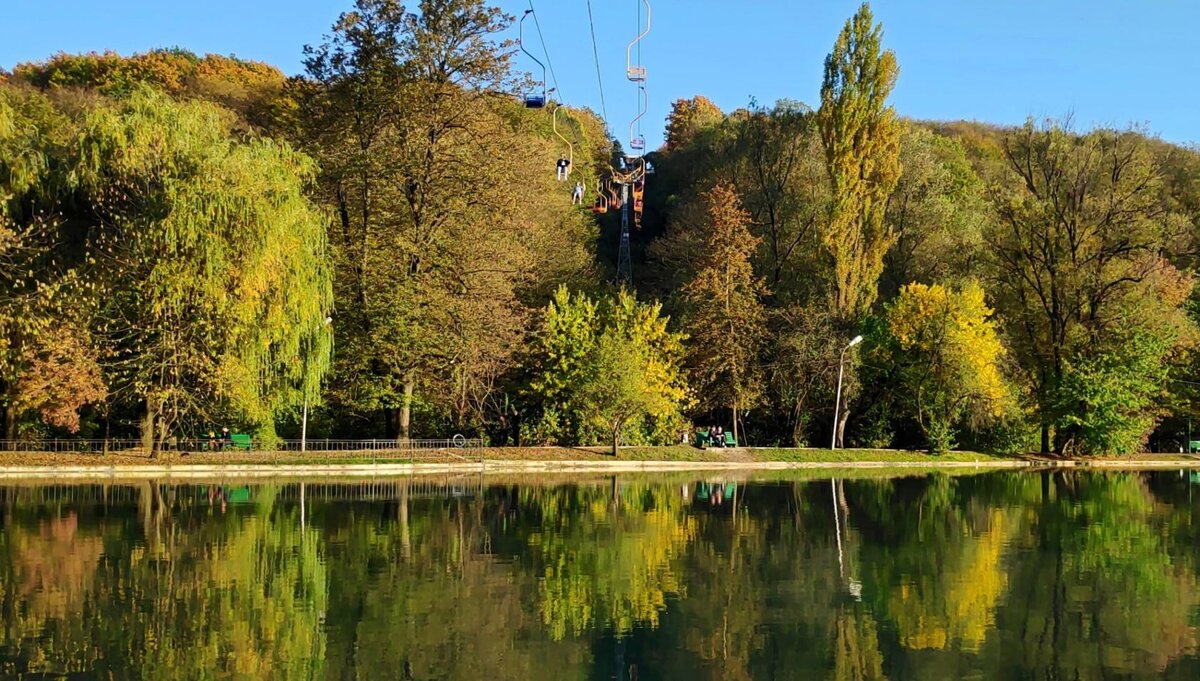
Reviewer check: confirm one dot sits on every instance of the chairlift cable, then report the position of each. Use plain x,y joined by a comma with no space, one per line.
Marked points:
596,57
639,53
537,24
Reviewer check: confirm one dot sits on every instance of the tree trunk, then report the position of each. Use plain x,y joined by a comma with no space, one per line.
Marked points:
735,424
616,437
10,423
403,427
149,419
843,417
798,439
1045,438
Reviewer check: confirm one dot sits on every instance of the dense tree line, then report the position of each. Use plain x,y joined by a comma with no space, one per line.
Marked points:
193,240
1018,288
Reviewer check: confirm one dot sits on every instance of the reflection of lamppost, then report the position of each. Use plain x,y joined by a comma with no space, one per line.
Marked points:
838,402
853,586
304,417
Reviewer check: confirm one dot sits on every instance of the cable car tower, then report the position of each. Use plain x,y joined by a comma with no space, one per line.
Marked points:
633,181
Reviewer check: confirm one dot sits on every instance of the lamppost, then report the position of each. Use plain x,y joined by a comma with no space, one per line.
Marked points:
304,417
837,405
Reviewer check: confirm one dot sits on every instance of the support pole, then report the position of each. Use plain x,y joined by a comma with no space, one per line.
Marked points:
624,262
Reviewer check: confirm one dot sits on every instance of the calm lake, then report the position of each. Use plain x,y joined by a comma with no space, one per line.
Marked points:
1063,575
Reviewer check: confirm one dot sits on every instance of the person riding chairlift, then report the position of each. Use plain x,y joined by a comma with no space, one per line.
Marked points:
577,194
564,168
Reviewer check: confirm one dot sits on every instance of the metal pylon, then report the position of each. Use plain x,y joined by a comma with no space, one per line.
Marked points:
624,263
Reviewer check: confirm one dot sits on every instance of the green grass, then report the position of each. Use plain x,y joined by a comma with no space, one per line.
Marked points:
675,453
798,455
881,455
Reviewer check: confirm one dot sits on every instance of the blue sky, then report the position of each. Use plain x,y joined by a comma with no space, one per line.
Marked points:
1114,62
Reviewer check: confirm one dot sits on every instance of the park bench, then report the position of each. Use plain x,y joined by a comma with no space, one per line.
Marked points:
237,441
1193,446
704,440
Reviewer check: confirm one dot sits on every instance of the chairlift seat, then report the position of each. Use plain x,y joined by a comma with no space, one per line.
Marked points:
535,102
636,73
639,143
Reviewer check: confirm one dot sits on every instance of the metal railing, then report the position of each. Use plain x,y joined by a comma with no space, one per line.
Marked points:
458,447
379,444
114,445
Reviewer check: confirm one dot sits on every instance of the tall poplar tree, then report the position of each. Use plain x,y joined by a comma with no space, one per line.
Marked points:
861,137
726,321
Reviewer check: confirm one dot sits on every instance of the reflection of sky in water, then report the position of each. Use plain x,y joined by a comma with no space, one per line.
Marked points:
999,575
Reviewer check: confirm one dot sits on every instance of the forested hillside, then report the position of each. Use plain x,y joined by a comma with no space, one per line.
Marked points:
193,241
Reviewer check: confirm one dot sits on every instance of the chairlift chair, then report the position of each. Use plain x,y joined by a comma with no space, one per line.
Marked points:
532,100
570,146
637,72
636,141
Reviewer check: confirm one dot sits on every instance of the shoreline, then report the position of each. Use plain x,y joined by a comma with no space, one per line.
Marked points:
502,467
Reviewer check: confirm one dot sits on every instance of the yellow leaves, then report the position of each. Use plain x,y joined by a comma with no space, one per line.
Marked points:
951,350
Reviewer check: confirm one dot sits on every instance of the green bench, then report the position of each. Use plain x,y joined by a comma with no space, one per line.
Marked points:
703,440
237,441
1193,446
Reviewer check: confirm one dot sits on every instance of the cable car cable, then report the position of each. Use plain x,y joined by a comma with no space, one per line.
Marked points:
545,51
596,57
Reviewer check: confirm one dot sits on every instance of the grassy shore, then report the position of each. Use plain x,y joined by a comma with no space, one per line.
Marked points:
676,453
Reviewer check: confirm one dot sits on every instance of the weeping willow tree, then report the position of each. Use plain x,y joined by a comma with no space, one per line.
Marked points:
209,263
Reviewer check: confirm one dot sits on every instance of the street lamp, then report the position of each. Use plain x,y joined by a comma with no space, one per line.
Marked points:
304,417
837,405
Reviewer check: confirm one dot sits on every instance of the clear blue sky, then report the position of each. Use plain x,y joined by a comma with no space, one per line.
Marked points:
1110,62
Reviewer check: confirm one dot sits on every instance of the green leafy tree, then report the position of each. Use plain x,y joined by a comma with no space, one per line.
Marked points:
439,261
937,213
608,366
253,90
47,352
689,117
210,263
861,137
1078,267
947,354
726,321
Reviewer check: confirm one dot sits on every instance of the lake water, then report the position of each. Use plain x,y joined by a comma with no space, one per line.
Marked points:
1066,575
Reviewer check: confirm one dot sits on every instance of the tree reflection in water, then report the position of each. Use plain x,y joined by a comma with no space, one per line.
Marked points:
1002,575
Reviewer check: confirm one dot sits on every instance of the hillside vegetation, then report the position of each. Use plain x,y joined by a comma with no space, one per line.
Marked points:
188,242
